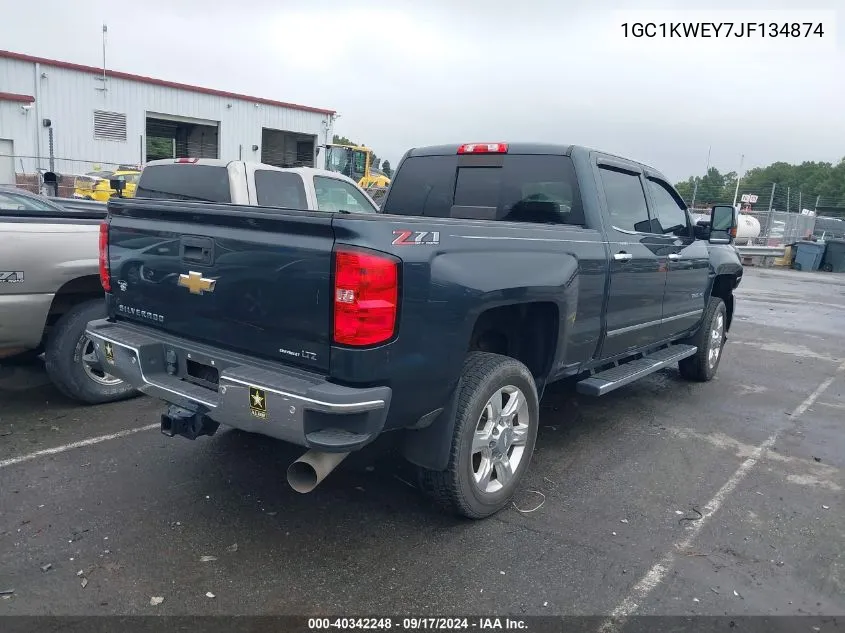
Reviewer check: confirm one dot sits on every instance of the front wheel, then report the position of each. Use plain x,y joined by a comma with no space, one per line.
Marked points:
710,339
496,422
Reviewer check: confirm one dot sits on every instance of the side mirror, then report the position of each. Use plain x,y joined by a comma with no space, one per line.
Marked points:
722,224
118,184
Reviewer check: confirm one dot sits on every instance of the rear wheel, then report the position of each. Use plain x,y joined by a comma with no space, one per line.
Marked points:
496,424
72,362
710,339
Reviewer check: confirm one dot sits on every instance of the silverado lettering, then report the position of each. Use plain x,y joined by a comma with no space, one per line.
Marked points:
143,314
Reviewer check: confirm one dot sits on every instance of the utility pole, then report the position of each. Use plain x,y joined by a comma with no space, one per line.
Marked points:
706,169
800,201
787,199
769,214
816,206
738,178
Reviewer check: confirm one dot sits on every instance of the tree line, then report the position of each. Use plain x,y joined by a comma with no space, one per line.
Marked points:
820,181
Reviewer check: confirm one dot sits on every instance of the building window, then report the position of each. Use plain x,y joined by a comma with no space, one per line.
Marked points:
109,126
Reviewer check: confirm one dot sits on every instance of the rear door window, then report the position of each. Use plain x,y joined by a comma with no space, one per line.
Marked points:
279,189
626,203
185,181
522,188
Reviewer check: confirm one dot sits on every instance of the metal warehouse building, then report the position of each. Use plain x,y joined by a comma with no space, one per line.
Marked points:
72,119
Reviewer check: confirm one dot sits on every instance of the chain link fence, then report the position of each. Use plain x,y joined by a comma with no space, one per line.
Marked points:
377,194
73,176
784,215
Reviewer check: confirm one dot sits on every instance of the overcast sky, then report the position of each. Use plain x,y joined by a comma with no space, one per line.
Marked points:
435,71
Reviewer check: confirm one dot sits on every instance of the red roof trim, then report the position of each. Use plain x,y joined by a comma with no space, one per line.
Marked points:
156,82
11,96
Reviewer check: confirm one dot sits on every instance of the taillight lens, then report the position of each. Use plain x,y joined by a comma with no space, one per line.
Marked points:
366,297
104,257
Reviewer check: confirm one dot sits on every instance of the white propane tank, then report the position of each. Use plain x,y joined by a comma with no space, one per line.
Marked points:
747,228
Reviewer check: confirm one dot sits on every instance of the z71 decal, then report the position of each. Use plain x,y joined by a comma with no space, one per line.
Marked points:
415,238
11,276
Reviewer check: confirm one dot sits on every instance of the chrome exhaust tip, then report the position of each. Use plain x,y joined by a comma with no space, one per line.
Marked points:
308,471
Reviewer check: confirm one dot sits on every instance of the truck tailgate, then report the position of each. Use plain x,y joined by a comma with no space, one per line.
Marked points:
250,280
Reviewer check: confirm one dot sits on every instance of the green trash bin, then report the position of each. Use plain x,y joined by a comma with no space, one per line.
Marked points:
809,255
834,257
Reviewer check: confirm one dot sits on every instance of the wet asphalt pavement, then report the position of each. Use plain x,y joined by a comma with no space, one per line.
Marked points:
618,485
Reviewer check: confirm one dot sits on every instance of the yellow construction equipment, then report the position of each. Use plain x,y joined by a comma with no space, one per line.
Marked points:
356,162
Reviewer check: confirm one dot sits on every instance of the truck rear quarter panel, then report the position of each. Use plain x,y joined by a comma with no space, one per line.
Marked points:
474,266
49,254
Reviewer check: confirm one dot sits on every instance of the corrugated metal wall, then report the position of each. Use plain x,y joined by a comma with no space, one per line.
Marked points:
285,149
69,98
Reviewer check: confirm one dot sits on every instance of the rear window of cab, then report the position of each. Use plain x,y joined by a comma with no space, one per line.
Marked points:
522,188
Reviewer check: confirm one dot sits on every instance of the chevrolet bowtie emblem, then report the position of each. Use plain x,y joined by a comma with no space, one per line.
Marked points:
196,283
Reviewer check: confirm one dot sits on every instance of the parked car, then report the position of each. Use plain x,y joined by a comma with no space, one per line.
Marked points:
96,185
253,184
50,289
492,271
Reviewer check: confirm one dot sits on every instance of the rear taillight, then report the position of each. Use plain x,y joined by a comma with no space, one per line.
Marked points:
104,257
483,148
366,297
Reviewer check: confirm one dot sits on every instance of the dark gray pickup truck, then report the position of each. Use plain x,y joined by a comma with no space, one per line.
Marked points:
493,270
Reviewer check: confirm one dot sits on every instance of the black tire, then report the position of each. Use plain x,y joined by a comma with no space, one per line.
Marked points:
698,366
455,488
828,268
63,358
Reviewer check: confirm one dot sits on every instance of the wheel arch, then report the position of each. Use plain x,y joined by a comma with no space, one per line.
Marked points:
527,331
723,287
69,295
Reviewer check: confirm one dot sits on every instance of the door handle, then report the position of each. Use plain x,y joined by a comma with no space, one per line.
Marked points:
674,257
198,250
623,257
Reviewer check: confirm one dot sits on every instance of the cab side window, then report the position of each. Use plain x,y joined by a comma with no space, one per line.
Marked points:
670,211
279,189
336,195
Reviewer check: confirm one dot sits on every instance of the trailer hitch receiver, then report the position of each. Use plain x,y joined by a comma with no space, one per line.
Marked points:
187,423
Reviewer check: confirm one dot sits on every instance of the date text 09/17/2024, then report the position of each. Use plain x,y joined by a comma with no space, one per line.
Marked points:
419,624
723,29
